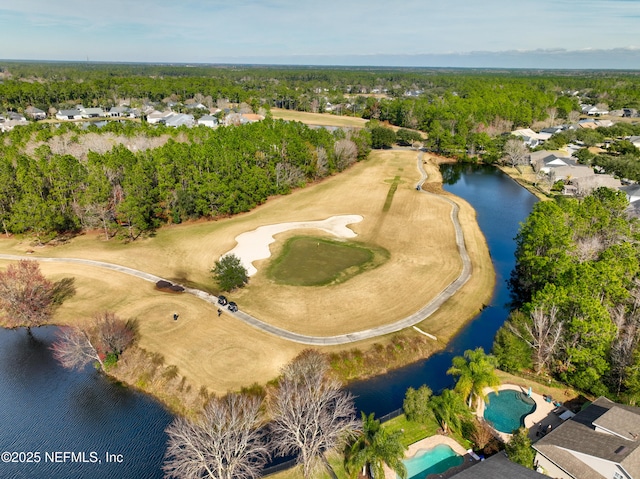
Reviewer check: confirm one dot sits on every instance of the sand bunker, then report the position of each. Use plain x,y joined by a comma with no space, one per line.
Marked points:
254,245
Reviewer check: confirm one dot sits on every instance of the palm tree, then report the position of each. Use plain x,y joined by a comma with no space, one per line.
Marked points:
373,448
449,410
476,371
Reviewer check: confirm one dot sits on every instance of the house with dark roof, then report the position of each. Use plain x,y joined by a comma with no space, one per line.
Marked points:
545,161
69,114
601,441
497,466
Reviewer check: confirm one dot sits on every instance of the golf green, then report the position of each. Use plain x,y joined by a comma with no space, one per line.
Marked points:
313,261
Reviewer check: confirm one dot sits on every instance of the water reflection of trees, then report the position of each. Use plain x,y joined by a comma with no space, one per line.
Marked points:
451,174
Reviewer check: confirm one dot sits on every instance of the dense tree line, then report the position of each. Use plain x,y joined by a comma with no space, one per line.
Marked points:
213,173
464,112
577,290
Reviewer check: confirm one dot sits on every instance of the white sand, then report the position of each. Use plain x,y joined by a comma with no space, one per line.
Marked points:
254,245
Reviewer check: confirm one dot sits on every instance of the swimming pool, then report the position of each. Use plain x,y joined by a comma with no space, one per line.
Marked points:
506,410
432,461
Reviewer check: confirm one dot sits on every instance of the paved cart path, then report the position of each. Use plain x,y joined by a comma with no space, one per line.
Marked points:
403,323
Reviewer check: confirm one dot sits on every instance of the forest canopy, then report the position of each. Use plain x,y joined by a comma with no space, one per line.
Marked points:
196,173
577,290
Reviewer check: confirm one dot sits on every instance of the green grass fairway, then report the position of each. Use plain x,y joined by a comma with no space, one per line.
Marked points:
312,261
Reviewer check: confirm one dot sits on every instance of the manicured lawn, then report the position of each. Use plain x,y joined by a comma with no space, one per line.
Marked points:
412,431
313,261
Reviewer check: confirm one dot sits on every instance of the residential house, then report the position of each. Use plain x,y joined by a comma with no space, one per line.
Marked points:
121,111
497,466
632,192
72,114
158,116
552,130
9,123
252,117
586,184
195,106
629,112
544,161
91,112
592,124
601,441
571,172
593,110
180,119
208,120
35,113
635,140
12,115
530,137
242,118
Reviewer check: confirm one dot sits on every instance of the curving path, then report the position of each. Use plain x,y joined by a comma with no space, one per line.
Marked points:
409,321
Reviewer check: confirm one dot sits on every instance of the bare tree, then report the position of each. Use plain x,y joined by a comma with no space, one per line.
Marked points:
322,162
227,442
585,185
74,349
625,343
543,334
288,174
314,106
552,113
573,116
244,108
310,413
26,296
545,180
105,334
516,152
112,333
588,247
346,153
482,434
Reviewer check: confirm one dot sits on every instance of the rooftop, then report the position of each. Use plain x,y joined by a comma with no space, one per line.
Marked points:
584,435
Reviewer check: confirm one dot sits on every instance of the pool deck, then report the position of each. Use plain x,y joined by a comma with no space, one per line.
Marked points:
428,443
543,415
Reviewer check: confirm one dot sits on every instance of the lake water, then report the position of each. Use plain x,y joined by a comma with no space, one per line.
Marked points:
501,205
48,410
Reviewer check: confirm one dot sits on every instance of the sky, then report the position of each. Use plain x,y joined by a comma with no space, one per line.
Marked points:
428,33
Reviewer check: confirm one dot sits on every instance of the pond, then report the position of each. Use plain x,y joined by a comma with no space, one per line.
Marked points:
46,409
